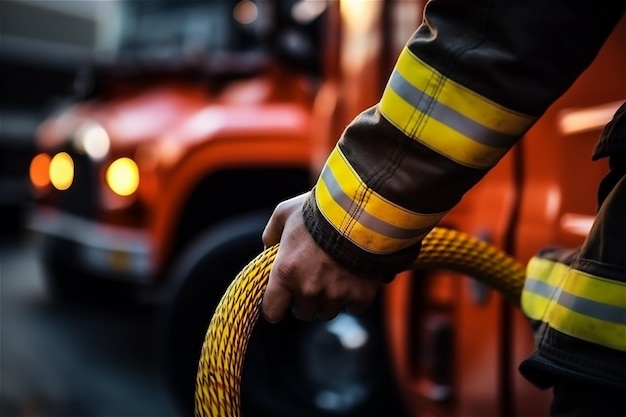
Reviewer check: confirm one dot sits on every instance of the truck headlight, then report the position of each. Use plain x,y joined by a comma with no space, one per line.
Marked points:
92,139
61,171
122,176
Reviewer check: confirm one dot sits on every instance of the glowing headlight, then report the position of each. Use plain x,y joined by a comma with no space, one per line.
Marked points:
39,170
92,139
61,171
122,176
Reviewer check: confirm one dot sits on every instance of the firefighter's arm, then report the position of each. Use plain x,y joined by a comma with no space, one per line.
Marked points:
469,84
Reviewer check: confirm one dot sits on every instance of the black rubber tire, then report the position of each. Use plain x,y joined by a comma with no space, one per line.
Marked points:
273,381
198,280
202,276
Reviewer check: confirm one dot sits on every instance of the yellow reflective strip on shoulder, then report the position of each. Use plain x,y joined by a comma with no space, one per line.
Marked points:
591,308
543,277
447,117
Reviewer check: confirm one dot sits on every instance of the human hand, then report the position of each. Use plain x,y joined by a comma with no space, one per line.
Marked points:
305,277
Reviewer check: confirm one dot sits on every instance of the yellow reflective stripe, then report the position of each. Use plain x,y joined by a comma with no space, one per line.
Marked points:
358,234
576,303
438,136
591,308
363,216
587,328
596,288
543,278
378,206
458,97
447,117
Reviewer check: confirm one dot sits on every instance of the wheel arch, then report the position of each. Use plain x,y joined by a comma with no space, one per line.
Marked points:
229,193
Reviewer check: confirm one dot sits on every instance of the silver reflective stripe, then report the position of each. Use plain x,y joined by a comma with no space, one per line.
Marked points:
578,304
365,218
449,116
539,287
594,309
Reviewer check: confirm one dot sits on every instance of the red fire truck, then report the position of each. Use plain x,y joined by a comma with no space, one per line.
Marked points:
158,182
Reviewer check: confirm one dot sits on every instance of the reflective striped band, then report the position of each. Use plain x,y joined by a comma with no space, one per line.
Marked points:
447,117
543,279
364,217
576,303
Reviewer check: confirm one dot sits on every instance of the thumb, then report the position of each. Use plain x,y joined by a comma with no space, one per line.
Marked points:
273,231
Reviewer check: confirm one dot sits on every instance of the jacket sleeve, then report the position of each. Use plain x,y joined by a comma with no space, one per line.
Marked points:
471,81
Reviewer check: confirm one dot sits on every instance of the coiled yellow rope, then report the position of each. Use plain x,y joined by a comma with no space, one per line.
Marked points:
220,368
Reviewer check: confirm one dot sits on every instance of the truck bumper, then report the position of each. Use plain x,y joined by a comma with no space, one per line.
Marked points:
97,250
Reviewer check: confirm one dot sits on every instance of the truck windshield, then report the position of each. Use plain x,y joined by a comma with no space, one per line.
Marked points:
171,28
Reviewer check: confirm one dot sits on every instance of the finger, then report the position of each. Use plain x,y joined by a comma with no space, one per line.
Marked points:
276,300
276,224
273,230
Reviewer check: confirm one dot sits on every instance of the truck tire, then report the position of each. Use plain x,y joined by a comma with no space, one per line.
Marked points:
196,284
291,368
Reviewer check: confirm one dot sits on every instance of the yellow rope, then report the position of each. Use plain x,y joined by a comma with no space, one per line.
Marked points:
221,361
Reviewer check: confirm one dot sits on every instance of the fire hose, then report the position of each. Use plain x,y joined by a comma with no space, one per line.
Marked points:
221,360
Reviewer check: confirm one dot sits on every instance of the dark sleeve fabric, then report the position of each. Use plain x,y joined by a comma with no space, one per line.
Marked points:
612,143
472,80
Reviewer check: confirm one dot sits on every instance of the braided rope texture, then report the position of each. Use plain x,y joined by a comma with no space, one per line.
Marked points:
221,360
457,251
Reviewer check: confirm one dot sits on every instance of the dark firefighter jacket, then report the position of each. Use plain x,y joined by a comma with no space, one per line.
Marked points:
474,77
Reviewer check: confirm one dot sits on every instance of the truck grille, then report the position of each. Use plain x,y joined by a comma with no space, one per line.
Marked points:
82,197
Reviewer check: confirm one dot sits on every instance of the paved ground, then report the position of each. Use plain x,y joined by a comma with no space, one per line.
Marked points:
71,361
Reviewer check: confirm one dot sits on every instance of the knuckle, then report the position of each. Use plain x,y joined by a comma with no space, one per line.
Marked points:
309,289
335,294
280,210
282,271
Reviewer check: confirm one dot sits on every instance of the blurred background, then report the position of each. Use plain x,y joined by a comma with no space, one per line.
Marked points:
60,359
104,296
43,45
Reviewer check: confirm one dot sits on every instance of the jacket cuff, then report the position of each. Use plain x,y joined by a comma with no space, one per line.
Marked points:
350,255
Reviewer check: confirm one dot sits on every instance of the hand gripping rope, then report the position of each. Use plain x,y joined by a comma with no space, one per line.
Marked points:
221,361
